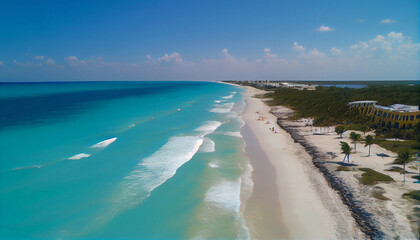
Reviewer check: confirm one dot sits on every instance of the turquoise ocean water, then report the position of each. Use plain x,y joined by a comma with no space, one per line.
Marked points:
122,160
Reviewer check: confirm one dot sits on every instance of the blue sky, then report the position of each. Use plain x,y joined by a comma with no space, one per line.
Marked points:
209,40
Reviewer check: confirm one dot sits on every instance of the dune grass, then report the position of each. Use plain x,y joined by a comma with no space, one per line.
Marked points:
343,168
380,196
415,194
372,177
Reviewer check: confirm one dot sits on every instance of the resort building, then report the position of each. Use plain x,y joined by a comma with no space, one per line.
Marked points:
277,84
394,116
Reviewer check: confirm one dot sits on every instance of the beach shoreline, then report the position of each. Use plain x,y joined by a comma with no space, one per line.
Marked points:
304,195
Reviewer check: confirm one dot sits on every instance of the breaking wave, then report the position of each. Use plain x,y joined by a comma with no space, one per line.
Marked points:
104,143
208,145
79,156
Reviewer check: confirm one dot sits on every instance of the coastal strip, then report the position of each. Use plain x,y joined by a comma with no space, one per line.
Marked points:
309,207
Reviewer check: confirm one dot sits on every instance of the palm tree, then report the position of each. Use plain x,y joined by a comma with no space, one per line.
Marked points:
355,137
364,129
368,142
404,157
339,130
346,149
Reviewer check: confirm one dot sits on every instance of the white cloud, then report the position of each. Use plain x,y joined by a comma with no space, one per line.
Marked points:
335,51
387,56
395,36
313,54
227,57
50,61
73,60
323,28
360,45
174,57
380,42
298,48
39,57
386,21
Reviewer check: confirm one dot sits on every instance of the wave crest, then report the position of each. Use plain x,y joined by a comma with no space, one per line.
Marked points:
79,156
104,143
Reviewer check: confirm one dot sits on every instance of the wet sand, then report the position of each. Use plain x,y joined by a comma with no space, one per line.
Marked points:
263,212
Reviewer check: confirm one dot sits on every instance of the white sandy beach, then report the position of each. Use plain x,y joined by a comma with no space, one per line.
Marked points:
309,208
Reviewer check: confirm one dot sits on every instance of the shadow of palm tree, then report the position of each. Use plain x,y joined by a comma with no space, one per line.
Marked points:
342,163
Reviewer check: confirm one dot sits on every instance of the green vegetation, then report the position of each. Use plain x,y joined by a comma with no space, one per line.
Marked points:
339,130
367,83
372,177
397,146
356,127
380,196
345,148
413,133
355,137
343,168
404,157
415,194
368,142
329,105
378,193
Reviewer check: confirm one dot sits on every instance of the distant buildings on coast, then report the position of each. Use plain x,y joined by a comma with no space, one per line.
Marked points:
275,84
394,116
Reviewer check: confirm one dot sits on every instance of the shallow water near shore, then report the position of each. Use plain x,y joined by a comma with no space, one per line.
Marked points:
122,160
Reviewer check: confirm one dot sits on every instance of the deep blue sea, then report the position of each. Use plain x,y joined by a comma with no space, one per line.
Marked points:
122,160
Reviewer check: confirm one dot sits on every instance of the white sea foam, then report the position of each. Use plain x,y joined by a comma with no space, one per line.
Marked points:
217,101
225,195
241,122
228,97
79,156
162,165
207,146
213,165
209,127
29,167
222,108
104,143
155,170
233,134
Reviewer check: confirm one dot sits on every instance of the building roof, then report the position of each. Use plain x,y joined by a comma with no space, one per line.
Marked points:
385,108
366,101
404,108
